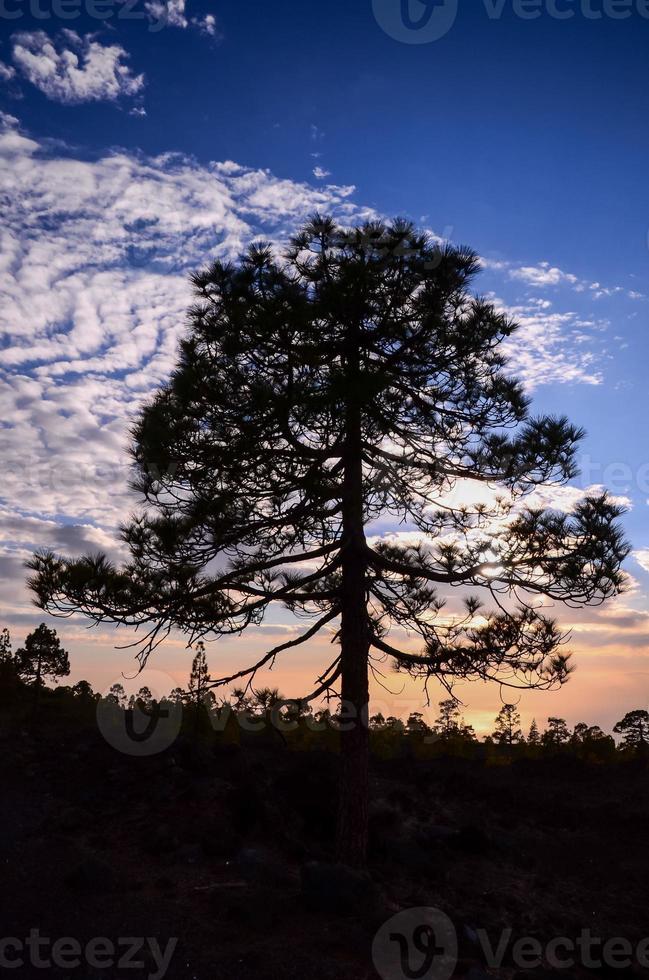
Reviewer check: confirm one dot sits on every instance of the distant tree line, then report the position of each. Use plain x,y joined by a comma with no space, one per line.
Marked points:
25,672
589,740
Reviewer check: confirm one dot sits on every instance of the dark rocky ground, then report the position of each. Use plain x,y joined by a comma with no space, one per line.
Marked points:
209,845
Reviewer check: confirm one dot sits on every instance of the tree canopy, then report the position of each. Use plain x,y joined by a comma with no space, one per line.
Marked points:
635,729
42,657
508,730
352,379
5,646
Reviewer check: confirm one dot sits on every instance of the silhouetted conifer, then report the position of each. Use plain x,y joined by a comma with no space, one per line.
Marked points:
354,378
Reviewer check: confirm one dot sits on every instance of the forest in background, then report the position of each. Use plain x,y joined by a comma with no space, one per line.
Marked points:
246,711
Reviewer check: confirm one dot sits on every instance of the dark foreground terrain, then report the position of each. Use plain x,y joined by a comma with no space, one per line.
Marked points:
207,842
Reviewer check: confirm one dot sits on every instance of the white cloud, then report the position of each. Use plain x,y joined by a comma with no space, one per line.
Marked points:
642,558
551,347
543,274
173,13
6,72
320,173
565,499
72,69
167,12
207,25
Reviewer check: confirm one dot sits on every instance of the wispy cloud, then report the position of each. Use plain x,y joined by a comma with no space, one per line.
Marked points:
552,347
642,558
544,275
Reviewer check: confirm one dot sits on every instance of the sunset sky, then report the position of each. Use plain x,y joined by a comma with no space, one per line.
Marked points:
134,148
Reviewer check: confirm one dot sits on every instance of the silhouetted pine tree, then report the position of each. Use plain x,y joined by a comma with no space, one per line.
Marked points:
5,646
199,678
83,689
556,733
449,722
199,683
353,379
42,658
117,695
416,724
8,676
635,729
508,721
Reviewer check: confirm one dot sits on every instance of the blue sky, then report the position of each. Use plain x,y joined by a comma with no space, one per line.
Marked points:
135,147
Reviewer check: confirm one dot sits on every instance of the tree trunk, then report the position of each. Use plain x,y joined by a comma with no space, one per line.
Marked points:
37,685
351,836
351,843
